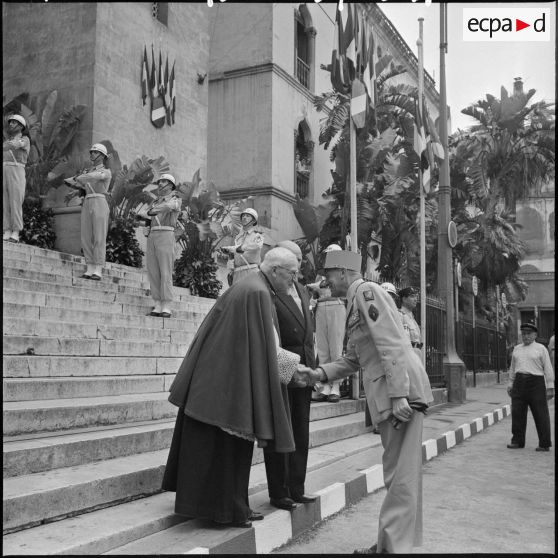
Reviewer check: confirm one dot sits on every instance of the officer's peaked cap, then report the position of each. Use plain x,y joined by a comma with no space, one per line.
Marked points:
529,326
343,259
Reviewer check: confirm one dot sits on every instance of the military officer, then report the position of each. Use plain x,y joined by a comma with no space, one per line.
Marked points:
94,184
245,254
15,152
163,212
409,299
396,384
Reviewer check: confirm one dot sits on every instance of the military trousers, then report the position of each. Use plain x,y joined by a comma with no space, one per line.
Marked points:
160,264
94,228
400,522
13,186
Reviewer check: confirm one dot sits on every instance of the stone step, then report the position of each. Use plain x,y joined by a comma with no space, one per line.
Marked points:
42,272
33,389
36,452
51,328
124,304
190,322
47,346
30,499
51,415
58,366
121,286
73,268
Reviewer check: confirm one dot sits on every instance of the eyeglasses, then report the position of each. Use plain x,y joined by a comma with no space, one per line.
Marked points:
293,274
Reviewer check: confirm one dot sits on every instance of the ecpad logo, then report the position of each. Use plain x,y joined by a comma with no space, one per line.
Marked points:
506,24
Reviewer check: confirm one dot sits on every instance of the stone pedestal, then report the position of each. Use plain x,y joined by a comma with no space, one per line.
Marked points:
456,379
67,227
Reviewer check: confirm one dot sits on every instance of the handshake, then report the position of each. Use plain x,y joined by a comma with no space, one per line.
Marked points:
305,377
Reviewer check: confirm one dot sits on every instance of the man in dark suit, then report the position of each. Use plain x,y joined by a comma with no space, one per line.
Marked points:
286,473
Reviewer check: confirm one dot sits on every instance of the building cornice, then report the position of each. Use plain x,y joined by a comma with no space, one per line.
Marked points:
260,69
381,21
237,193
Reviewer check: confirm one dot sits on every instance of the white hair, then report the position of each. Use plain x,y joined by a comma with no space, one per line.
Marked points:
278,257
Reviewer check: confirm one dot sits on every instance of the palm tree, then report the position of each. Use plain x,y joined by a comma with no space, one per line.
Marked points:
511,148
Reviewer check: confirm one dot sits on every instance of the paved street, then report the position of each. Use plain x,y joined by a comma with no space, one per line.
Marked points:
478,497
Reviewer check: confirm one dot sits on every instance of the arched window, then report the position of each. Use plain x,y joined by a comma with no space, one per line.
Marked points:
305,35
304,154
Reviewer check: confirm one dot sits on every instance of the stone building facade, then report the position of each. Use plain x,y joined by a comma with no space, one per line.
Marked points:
92,53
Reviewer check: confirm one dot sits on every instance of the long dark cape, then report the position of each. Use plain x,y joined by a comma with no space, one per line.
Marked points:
229,377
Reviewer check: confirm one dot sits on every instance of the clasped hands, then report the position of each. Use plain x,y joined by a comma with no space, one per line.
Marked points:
305,376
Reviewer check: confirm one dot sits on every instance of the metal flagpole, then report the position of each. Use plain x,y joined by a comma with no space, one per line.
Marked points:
352,184
422,208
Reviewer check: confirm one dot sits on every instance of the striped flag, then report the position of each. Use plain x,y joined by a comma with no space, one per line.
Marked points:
359,102
172,94
349,28
435,142
421,147
166,96
157,105
339,77
144,78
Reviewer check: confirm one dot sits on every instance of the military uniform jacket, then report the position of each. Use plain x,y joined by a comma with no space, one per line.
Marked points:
251,241
377,342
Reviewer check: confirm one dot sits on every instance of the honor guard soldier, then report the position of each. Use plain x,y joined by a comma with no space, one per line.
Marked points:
163,213
93,184
15,153
409,299
245,254
397,389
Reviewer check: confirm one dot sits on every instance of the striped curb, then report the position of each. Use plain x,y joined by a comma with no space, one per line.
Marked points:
281,526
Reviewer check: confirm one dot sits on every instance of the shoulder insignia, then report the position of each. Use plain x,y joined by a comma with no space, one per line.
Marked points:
354,319
368,295
373,312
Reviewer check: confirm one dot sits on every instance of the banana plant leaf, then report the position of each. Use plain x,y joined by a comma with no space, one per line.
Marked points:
64,131
48,120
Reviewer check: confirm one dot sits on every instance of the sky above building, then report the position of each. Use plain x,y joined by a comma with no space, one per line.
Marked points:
476,68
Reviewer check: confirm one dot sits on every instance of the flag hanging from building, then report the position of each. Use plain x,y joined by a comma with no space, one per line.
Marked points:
144,76
420,146
339,76
166,96
172,93
158,112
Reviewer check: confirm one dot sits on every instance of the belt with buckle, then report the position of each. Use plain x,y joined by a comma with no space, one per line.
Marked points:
416,345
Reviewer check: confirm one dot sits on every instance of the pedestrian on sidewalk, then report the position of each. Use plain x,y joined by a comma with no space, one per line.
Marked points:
396,384
330,332
286,472
552,350
245,253
15,152
530,386
231,391
408,299
93,184
163,214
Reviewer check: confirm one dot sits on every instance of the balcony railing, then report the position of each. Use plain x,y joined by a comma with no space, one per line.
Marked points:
302,72
302,183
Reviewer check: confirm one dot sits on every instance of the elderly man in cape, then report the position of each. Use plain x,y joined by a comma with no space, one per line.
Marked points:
231,390
396,387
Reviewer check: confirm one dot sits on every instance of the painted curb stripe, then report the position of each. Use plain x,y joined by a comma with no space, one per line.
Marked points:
429,450
374,478
275,530
332,499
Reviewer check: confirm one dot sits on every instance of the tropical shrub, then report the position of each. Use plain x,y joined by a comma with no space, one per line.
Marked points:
122,244
38,225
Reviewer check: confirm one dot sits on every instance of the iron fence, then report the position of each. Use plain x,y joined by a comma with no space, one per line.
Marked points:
302,185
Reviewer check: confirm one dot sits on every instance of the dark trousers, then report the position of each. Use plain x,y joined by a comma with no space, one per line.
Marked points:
286,472
529,391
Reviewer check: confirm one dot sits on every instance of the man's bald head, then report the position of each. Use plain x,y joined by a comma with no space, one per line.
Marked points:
292,247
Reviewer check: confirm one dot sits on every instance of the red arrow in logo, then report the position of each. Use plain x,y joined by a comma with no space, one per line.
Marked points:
519,25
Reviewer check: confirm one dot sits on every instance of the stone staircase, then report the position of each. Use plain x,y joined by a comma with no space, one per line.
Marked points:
87,424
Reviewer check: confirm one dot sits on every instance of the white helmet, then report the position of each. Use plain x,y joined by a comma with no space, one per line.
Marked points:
389,287
18,118
100,148
333,248
252,212
168,177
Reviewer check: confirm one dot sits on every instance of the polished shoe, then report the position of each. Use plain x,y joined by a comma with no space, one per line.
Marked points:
320,398
95,277
304,499
333,398
165,314
375,430
514,446
283,503
85,276
153,313
255,516
540,448
372,550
